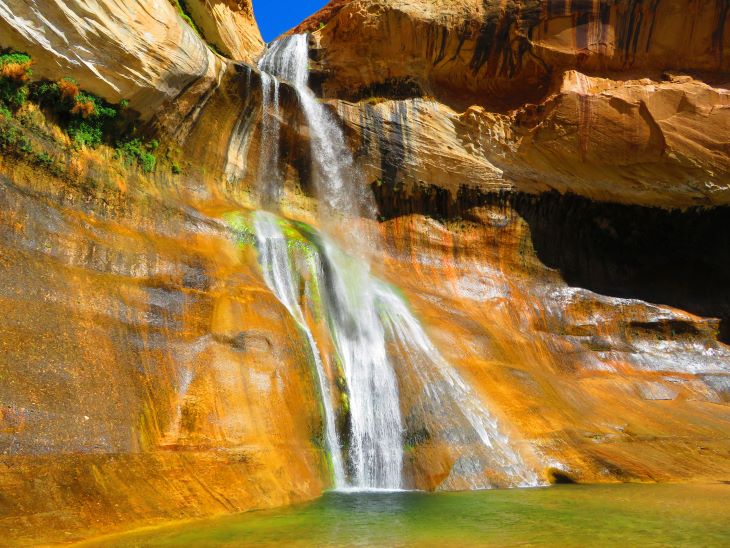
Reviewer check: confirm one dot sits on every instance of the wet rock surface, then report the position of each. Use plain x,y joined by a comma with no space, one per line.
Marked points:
552,185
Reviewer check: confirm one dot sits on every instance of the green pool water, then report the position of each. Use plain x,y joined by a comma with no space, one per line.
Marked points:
571,515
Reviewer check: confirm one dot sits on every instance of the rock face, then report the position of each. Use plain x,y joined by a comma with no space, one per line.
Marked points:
642,142
525,158
228,25
146,372
140,51
655,143
523,87
503,54
602,387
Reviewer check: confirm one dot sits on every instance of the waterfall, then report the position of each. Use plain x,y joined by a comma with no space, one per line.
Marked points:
451,402
352,307
348,302
364,316
274,256
288,60
375,440
269,177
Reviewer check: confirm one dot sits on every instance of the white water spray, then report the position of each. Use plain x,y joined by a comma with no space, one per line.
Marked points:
274,256
269,177
363,315
452,403
288,60
376,437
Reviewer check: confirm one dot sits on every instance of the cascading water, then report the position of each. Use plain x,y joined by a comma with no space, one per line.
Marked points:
364,316
450,402
274,255
347,300
376,448
288,60
376,453
270,132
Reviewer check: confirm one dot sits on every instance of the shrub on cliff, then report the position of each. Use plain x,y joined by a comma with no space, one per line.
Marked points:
13,140
15,66
15,74
136,152
86,118
67,89
89,120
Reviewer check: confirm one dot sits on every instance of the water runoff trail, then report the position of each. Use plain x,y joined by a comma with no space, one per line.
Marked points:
363,316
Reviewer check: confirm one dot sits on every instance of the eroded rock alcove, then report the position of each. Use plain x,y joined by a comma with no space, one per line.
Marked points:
553,191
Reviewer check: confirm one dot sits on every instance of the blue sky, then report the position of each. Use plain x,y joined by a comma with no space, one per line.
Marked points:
278,16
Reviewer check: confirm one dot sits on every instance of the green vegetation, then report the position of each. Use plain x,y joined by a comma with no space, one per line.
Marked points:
184,12
9,58
13,140
87,119
15,72
91,118
135,151
298,245
43,159
345,403
241,227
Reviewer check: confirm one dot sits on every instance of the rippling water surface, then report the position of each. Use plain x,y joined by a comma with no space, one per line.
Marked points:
630,515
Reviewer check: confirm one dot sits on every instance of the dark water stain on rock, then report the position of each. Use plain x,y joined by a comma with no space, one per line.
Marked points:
722,10
503,39
386,134
679,258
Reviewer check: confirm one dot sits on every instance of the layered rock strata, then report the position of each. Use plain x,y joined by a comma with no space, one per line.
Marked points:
525,157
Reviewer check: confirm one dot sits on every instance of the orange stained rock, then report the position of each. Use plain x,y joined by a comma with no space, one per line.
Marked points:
146,372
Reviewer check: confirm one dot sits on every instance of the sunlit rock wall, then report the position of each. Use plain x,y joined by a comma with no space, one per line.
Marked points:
141,51
526,156
600,386
228,25
147,374
503,54
636,142
616,101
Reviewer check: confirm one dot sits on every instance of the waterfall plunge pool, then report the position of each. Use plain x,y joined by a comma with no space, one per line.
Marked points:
567,515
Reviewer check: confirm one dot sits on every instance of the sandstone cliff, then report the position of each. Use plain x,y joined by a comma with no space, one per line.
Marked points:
525,158
507,53
142,51
599,99
228,25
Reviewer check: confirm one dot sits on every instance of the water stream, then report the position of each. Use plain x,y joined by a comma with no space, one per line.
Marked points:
365,318
268,171
274,256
